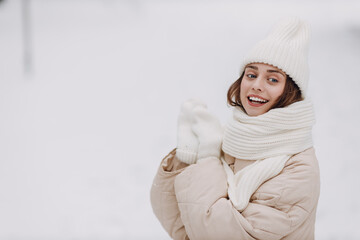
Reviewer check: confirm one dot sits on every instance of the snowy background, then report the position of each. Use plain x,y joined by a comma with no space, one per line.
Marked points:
84,125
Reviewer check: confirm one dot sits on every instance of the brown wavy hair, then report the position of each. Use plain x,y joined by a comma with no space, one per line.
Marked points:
291,94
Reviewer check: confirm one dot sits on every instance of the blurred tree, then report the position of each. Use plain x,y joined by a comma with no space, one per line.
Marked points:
26,33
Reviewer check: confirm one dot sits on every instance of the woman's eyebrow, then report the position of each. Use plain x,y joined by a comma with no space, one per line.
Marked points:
253,67
276,71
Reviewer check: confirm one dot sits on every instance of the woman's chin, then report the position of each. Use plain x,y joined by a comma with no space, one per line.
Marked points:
254,111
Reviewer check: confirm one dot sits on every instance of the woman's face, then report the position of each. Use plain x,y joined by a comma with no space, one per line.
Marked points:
261,87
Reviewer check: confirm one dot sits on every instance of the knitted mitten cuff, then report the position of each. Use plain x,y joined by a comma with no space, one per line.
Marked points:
186,155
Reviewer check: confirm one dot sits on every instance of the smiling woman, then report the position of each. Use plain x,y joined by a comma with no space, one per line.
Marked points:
258,179
261,87
282,89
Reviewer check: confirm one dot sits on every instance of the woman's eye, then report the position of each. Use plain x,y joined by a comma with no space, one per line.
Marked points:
273,80
251,76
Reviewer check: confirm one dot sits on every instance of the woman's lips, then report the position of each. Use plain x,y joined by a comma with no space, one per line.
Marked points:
255,104
256,101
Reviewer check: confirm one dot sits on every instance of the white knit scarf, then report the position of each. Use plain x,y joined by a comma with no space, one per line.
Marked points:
270,139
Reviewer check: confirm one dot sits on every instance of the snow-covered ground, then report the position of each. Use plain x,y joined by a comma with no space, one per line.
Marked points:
82,135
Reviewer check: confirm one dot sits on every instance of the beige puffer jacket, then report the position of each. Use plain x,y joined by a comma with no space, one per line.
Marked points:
191,202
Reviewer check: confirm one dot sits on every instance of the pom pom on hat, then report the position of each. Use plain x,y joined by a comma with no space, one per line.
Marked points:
286,48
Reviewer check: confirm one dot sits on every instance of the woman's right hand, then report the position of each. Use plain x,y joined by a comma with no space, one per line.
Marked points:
187,141
209,133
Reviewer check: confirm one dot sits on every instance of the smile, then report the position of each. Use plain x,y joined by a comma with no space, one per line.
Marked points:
256,101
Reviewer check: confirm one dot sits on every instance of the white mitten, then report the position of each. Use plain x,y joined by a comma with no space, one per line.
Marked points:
187,142
209,132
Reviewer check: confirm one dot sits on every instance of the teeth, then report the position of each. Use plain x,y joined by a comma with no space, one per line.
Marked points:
257,99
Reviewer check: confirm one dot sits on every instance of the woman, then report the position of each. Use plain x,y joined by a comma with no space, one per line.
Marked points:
264,184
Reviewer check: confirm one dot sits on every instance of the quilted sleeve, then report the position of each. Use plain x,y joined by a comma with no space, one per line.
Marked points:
162,196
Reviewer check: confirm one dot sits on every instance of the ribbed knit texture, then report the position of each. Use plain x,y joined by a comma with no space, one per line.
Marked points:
188,156
280,131
286,48
271,139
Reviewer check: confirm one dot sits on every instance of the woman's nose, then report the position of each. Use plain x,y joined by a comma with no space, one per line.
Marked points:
258,84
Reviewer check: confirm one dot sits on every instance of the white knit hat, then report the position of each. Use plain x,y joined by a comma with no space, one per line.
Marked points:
286,48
